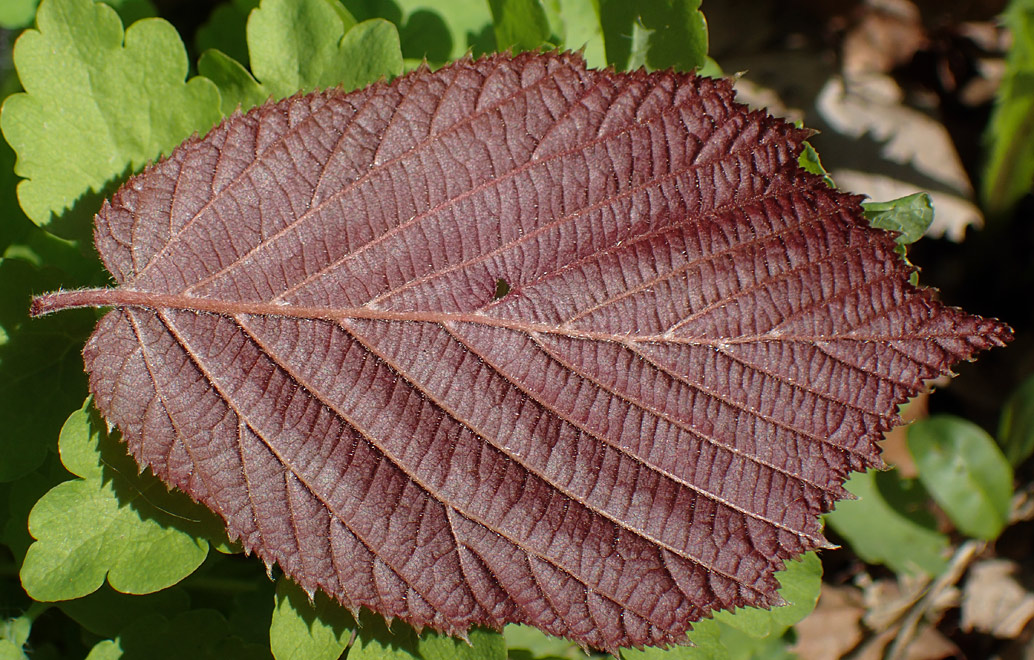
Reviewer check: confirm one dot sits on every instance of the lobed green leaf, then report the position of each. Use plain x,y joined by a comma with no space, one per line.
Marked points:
519,25
481,645
41,374
658,35
293,46
307,630
200,634
529,643
80,125
303,46
908,216
801,582
20,496
236,84
578,24
439,31
14,634
17,14
226,29
377,641
109,523
810,161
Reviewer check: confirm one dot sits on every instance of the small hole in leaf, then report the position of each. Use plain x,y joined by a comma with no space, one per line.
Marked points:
501,289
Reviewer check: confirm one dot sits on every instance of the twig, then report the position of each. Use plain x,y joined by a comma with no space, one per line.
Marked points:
909,624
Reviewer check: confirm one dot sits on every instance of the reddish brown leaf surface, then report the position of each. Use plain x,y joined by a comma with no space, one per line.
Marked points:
698,343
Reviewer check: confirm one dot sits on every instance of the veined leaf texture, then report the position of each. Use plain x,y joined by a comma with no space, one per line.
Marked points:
694,344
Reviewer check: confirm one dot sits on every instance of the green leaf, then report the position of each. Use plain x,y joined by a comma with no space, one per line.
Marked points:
801,582
910,216
226,29
109,649
744,647
965,472
16,14
658,35
483,645
580,29
20,496
1009,137
9,650
810,161
528,643
238,88
308,44
14,634
110,522
376,641
887,524
519,24
425,36
373,52
750,632
707,640
305,630
41,369
434,29
1016,425
99,102
300,46
294,45
196,634
107,612
714,640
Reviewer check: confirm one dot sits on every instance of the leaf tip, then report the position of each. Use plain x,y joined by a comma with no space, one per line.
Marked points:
779,601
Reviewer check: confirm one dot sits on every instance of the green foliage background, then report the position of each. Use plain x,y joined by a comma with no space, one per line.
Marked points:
102,562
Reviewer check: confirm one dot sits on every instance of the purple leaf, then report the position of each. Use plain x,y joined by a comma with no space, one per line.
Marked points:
513,341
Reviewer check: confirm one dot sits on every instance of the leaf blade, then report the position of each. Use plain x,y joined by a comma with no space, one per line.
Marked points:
1016,425
1009,137
398,414
302,630
878,526
962,467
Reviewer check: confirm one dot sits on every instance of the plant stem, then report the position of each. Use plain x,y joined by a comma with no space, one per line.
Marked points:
956,568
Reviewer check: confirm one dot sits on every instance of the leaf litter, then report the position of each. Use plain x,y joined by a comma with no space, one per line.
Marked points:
697,344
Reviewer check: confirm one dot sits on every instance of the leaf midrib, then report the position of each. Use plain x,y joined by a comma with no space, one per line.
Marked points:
126,297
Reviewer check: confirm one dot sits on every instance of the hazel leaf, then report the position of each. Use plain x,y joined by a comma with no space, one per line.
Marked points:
696,343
